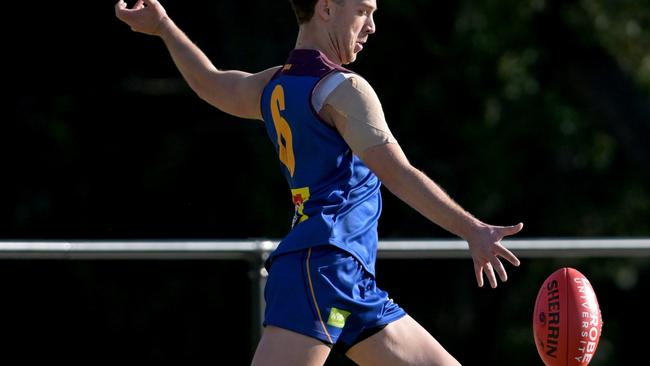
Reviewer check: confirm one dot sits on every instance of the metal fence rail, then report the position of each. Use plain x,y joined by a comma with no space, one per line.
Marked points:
256,251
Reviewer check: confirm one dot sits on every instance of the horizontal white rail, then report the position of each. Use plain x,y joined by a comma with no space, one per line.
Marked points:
252,249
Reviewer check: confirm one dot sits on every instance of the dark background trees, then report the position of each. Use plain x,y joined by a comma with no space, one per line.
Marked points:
535,111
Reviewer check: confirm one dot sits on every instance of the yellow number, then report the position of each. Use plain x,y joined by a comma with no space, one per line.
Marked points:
282,129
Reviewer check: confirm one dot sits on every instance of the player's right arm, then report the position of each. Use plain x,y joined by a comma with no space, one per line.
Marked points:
234,92
354,109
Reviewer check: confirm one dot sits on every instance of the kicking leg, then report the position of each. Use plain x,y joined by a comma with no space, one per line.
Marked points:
279,346
402,342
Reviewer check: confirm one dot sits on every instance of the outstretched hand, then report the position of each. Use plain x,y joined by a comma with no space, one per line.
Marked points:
486,250
146,16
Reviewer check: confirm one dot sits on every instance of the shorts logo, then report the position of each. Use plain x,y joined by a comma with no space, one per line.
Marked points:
337,317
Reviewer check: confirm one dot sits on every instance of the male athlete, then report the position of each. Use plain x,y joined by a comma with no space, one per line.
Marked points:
335,148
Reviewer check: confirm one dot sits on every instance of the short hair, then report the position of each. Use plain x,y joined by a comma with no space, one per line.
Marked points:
304,9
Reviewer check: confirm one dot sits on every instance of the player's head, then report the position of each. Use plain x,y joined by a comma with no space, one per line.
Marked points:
304,10
346,23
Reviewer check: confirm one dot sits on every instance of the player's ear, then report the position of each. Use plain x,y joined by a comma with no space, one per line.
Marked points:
323,9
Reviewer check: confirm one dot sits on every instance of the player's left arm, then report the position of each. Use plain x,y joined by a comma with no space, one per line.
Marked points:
355,110
232,91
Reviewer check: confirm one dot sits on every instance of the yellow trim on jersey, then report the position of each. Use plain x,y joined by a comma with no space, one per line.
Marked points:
313,295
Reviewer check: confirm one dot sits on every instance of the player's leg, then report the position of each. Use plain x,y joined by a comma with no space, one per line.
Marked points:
295,332
283,347
402,342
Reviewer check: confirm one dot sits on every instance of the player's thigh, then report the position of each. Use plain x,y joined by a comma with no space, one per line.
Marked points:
402,342
279,346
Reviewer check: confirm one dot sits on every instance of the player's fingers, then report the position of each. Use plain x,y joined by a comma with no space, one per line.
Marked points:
119,6
122,12
478,272
503,252
511,230
138,5
489,272
498,266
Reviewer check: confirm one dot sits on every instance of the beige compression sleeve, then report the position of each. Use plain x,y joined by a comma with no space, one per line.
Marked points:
365,125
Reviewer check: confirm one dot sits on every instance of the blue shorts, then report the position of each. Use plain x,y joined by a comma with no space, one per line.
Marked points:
324,292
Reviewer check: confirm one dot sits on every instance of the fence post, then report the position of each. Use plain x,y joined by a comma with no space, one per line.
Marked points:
257,276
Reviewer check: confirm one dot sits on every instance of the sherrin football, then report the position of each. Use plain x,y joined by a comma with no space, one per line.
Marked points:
567,322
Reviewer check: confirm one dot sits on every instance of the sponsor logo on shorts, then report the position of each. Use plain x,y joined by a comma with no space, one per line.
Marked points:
337,317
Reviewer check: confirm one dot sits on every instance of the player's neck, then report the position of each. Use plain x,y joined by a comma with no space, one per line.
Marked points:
310,39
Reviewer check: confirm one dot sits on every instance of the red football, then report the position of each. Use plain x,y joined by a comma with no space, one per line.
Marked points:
567,322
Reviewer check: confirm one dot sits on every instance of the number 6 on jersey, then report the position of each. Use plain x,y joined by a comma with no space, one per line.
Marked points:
282,129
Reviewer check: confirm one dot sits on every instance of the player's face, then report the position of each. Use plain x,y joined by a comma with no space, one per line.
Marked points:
351,27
